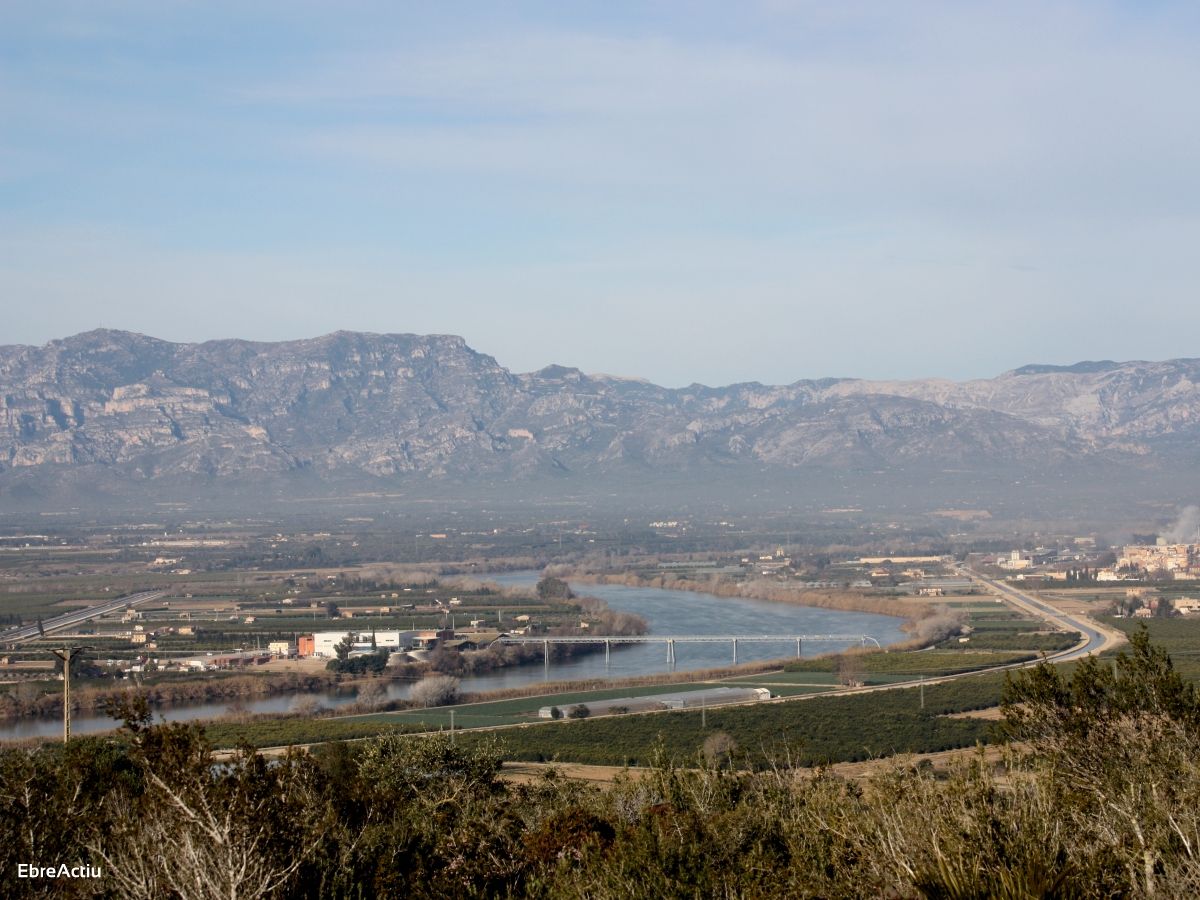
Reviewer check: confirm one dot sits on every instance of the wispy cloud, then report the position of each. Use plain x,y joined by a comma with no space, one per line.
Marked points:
961,116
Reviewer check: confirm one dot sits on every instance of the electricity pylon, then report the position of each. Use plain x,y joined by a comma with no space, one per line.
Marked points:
67,655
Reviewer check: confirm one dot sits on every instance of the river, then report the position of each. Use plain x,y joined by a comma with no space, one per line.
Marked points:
665,612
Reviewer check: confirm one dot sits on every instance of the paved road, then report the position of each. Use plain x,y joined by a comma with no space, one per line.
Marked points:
1095,638
27,632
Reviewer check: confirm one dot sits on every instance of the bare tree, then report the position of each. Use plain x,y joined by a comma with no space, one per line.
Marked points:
372,695
719,748
187,843
849,670
435,690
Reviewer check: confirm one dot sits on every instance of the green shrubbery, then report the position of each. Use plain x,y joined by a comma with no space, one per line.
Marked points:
363,664
1000,640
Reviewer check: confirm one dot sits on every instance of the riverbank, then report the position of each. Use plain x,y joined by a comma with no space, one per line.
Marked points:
918,615
17,705
206,690
234,726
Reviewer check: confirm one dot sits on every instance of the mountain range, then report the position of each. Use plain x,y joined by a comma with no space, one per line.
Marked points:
119,408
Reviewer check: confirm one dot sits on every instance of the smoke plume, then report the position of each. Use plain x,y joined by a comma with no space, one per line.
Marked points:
1185,527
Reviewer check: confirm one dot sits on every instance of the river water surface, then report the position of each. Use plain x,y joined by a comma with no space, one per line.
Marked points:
666,612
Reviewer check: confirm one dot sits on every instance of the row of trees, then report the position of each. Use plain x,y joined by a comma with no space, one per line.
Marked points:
1081,577
578,711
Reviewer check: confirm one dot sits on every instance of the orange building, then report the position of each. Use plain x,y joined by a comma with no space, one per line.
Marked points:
305,645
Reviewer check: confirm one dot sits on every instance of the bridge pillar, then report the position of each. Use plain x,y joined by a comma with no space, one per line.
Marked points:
798,648
607,651
735,651
546,652
670,651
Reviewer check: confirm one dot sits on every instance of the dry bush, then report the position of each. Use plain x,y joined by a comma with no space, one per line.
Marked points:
718,748
435,690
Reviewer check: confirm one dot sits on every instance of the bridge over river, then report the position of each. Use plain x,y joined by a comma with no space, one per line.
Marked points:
670,640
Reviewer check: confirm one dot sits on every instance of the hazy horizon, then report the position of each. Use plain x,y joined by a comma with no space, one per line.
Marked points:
768,193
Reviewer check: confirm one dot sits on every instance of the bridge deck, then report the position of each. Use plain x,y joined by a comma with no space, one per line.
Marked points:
681,638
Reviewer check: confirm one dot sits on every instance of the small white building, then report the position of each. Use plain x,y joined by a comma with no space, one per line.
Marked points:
1015,560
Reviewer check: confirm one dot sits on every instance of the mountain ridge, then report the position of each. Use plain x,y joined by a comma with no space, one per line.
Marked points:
395,406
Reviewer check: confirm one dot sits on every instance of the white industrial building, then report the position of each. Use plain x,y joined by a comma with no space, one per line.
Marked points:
324,642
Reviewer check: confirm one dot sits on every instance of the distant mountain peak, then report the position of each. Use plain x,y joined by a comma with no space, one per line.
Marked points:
554,370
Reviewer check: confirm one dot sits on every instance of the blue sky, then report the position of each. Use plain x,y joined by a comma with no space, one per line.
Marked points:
685,192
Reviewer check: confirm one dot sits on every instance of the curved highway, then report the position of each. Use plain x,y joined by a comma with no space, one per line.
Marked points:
1095,639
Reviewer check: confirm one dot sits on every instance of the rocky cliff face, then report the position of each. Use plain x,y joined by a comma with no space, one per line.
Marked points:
393,406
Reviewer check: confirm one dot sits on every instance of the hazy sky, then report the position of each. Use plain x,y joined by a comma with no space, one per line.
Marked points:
683,191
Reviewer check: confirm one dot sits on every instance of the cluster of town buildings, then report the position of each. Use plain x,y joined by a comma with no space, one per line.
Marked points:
1181,560
1133,562
1139,604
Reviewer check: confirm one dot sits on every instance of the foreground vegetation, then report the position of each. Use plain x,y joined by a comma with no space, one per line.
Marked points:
1102,799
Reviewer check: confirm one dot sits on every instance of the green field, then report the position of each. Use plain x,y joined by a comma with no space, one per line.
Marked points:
824,729
1179,636
1014,640
910,664
281,732
524,709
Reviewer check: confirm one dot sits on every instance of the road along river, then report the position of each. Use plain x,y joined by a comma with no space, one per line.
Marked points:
666,612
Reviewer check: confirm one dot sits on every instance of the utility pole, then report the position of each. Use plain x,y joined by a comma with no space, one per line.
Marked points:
922,692
452,726
67,655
